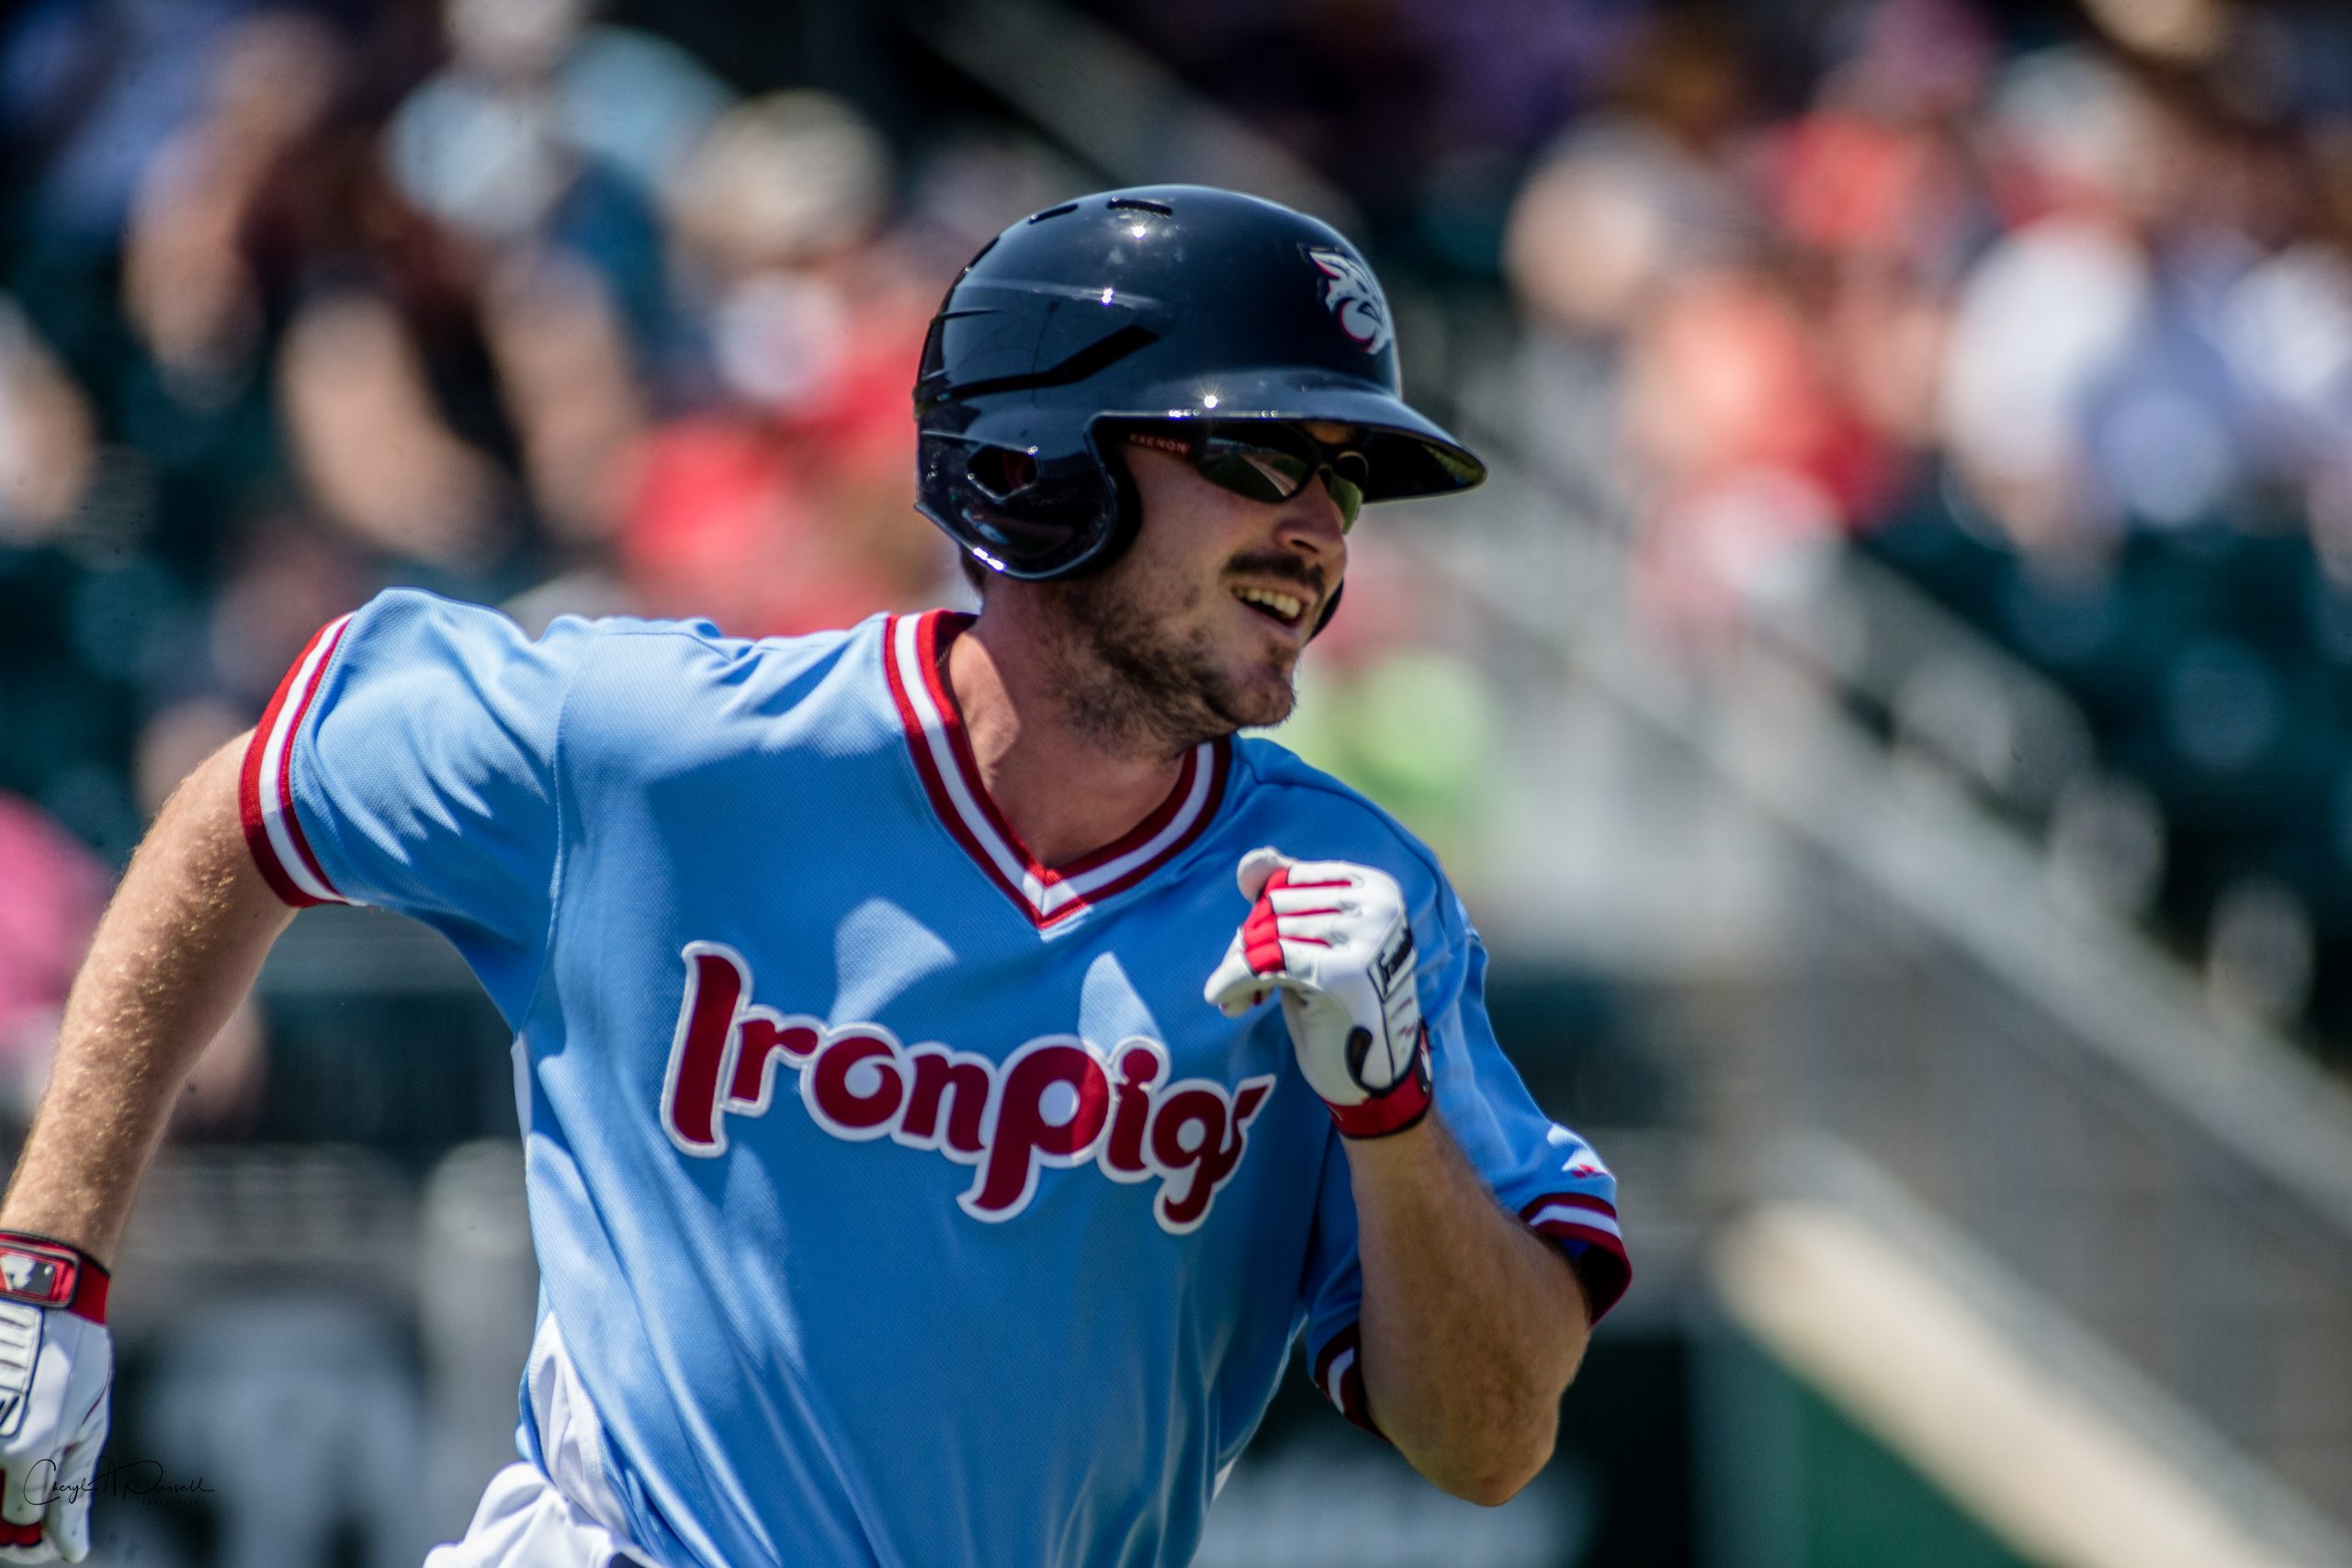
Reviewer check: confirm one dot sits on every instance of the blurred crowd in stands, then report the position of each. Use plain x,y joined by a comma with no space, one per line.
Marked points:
505,302
2049,309
2060,332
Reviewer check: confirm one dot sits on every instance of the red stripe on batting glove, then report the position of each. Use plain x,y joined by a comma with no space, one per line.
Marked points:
1261,940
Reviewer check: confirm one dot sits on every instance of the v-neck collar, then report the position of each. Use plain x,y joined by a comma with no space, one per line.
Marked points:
951,776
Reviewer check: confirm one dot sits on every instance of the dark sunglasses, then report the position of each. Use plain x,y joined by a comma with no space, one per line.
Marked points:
1265,461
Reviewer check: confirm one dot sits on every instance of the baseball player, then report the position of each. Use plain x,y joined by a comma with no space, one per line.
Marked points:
955,1067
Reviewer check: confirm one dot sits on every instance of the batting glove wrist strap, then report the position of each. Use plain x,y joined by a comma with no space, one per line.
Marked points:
1334,941
1394,1109
46,1272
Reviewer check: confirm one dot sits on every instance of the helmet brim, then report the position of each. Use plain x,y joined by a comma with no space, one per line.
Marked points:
1406,453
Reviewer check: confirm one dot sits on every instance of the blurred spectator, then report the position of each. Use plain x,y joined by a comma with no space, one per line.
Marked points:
787,504
89,92
544,129
1638,245
189,289
568,381
370,444
1752,461
2052,308
56,889
1614,216
48,437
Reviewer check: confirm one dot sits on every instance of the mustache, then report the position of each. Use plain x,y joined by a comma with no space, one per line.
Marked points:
1281,565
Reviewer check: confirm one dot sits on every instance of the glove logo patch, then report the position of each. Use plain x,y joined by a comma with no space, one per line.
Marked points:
1354,298
1395,956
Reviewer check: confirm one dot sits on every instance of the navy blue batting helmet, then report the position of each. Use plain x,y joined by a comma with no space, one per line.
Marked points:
1162,302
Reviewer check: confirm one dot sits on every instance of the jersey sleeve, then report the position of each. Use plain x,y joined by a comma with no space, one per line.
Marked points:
1537,1169
408,761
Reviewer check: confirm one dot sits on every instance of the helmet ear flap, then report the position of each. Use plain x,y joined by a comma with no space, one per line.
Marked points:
1031,510
1127,502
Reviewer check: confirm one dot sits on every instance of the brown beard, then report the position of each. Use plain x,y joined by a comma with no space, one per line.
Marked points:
1136,687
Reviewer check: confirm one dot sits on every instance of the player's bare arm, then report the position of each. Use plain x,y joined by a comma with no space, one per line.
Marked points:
175,953
1472,1326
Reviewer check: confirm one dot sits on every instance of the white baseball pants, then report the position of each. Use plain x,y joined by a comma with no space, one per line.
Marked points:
523,1522
527,1520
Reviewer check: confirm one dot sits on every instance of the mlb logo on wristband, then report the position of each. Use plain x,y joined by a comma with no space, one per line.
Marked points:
52,1274
34,1277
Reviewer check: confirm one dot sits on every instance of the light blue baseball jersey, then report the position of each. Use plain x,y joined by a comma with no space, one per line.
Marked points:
899,1201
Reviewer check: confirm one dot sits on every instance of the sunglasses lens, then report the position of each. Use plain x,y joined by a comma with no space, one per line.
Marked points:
1250,467
1348,495
1261,473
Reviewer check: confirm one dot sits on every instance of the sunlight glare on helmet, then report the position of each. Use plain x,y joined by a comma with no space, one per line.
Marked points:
1106,296
1208,401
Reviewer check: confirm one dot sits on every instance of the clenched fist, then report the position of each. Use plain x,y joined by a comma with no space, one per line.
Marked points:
1334,939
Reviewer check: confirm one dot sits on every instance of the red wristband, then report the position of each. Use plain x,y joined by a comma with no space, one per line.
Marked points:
52,1273
1401,1105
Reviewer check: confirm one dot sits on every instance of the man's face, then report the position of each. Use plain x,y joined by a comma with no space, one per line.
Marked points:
1173,623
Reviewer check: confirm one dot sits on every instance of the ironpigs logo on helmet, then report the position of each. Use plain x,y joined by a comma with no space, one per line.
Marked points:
1057,1100
1352,295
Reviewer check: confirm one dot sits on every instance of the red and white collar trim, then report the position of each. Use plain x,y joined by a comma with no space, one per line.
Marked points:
951,775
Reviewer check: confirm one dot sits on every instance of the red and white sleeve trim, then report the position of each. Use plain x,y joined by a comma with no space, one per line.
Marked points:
265,790
1338,1372
1560,1217
1600,1262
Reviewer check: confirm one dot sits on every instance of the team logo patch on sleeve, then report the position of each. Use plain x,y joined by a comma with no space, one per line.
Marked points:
1353,298
1057,1101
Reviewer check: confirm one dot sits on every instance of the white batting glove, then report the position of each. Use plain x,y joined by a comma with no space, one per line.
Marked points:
56,1369
1334,939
